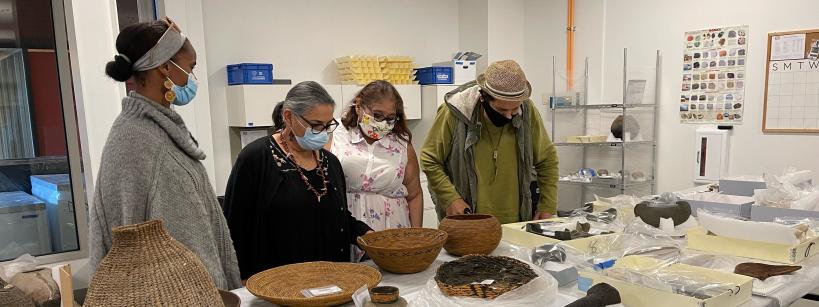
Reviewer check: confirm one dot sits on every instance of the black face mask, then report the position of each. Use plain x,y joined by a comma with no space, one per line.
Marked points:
499,120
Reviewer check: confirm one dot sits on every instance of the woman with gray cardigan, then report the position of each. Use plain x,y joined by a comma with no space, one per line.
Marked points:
151,165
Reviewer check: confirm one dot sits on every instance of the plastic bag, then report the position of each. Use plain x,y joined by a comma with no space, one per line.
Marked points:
728,264
541,291
792,190
24,263
676,281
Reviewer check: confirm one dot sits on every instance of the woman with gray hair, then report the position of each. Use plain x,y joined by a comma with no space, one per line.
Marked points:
286,197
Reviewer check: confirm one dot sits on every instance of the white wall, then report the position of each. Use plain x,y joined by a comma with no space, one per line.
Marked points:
301,39
506,31
648,25
188,15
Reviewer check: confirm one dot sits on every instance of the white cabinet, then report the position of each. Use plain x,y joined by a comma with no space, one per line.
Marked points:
410,93
712,155
435,93
252,105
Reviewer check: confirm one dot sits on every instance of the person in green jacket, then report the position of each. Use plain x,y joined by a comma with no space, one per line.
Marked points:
488,151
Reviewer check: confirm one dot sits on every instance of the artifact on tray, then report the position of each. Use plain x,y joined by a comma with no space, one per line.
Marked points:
471,234
385,296
403,250
607,216
763,271
312,283
552,258
146,267
666,207
482,276
599,295
581,230
625,124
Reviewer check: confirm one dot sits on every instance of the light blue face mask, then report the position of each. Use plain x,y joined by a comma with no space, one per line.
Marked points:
310,140
184,94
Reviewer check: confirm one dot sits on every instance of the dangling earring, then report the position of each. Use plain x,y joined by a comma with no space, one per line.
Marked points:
169,94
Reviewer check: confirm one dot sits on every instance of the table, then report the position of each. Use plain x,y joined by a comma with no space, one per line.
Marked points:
411,284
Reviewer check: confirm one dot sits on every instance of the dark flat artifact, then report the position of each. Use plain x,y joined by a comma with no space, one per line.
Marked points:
482,276
599,295
763,271
581,231
651,212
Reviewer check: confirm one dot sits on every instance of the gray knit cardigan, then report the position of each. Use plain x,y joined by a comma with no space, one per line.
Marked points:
151,169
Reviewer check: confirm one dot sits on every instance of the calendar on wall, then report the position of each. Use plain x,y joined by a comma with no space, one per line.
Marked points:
792,83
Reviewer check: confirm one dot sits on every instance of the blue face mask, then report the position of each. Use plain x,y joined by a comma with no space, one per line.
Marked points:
184,94
310,140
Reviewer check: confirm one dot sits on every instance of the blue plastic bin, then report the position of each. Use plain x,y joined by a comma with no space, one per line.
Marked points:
250,73
434,75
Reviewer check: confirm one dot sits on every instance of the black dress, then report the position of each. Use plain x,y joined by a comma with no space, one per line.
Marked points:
275,220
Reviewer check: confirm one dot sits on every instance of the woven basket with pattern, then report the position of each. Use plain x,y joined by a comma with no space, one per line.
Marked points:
403,250
283,285
482,276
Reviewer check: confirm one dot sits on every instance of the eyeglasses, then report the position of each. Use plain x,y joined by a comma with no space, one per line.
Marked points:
380,118
319,128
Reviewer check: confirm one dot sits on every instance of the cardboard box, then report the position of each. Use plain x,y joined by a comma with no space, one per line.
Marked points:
737,205
635,295
741,185
699,239
768,214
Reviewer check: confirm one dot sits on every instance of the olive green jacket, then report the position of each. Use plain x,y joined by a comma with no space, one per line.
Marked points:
447,156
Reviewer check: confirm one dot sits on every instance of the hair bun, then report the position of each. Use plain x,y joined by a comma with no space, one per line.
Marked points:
119,69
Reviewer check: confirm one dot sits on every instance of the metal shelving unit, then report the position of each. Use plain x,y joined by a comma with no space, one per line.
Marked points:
616,156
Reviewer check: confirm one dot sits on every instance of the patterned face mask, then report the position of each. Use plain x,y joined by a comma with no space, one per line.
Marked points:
375,129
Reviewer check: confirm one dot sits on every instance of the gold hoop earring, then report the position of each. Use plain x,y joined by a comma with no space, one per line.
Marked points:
169,94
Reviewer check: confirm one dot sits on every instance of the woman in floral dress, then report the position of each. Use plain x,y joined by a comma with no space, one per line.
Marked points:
380,165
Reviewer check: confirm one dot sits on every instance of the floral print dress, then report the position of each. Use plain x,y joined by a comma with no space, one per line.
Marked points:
374,172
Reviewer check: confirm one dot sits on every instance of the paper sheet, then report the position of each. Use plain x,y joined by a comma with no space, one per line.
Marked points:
635,90
788,47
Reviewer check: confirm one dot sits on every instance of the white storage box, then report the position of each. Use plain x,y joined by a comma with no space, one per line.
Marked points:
768,214
737,205
23,225
55,191
741,185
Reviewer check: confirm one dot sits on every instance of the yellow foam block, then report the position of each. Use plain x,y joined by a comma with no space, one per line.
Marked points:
699,239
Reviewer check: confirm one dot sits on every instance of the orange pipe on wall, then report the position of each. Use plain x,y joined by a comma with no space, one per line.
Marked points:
570,46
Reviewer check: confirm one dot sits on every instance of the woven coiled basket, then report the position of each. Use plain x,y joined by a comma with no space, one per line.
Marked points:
403,250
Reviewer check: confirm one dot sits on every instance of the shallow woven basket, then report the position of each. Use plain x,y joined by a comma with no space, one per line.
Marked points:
403,250
283,285
500,268
471,234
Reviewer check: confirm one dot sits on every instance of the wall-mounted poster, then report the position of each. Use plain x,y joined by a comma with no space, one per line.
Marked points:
792,83
713,79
